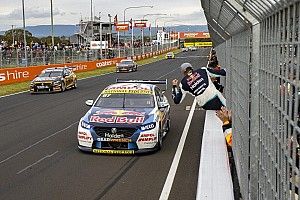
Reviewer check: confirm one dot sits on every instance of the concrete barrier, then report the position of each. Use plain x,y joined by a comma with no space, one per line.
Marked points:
214,181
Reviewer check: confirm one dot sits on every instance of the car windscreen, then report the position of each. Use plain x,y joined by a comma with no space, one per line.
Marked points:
127,62
51,74
125,101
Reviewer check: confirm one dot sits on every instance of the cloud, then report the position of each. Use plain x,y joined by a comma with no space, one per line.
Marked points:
32,13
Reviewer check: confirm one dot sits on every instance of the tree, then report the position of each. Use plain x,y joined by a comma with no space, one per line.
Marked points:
18,36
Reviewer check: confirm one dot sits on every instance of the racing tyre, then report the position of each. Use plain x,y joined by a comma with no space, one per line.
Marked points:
75,84
160,140
168,125
63,86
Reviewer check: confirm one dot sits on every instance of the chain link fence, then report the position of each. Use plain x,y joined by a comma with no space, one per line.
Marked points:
263,91
16,57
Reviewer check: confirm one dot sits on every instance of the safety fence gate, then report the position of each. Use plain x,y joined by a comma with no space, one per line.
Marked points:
258,42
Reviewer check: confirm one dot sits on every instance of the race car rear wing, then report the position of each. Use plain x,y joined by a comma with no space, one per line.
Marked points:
155,82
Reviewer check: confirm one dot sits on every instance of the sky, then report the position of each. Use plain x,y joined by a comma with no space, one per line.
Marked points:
69,12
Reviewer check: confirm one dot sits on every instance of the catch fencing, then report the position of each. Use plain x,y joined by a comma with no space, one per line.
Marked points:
39,56
258,43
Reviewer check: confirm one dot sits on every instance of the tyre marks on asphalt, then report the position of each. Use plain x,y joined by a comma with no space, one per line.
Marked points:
114,179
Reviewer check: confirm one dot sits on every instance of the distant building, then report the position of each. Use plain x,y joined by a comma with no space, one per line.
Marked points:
90,31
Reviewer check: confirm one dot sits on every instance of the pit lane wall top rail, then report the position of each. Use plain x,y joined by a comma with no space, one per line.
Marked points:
22,74
214,181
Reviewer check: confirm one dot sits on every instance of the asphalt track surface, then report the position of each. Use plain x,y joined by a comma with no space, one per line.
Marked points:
39,158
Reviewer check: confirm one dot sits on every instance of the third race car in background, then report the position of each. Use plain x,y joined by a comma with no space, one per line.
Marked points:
127,117
170,55
56,79
127,65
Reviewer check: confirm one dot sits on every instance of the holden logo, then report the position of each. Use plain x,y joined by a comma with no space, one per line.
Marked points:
113,130
42,84
113,135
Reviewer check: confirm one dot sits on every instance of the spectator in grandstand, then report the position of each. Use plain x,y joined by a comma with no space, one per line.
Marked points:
198,83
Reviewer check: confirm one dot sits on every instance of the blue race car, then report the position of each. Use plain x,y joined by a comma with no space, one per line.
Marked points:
129,117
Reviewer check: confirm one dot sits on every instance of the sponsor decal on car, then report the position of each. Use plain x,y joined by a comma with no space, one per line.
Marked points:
84,136
113,151
114,140
120,113
126,91
148,126
117,120
129,87
147,137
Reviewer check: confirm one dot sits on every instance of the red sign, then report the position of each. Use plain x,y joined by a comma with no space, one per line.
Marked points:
140,24
122,27
174,35
184,35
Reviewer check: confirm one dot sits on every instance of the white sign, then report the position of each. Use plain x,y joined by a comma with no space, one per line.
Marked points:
162,36
97,44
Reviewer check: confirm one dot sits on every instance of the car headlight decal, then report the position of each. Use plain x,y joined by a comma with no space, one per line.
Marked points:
85,125
57,82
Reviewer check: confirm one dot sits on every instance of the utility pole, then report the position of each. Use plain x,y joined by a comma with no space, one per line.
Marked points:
100,35
24,29
110,45
52,29
91,10
13,34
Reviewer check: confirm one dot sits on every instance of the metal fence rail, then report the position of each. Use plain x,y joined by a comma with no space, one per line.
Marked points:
16,57
263,91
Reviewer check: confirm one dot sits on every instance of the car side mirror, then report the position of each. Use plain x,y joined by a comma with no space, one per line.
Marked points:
89,102
162,105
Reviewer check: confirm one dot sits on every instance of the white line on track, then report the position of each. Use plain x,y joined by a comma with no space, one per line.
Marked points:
36,143
37,162
14,94
168,73
192,57
171,175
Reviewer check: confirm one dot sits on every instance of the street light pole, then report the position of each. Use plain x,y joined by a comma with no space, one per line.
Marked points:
13,35
100,35
157,30
52,28
143,46
24,29
132,7
109,16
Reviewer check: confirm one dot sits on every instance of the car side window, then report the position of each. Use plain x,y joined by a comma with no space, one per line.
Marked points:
67,72
159,95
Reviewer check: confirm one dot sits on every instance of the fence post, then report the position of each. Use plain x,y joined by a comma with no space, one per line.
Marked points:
17,59
31,58
1,63
64,55
254,112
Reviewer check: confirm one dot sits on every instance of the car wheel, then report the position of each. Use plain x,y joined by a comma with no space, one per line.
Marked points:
75,84
160,140
168,125
63,86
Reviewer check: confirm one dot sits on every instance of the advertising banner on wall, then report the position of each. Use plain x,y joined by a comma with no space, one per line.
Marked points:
184,35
